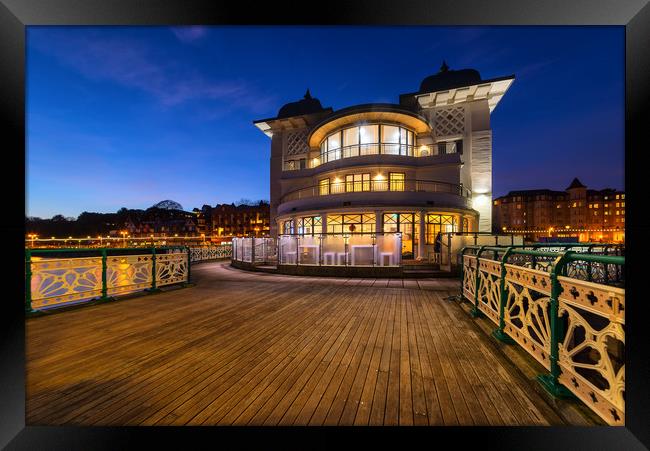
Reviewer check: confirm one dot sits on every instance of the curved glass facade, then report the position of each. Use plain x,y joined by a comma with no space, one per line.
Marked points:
367,139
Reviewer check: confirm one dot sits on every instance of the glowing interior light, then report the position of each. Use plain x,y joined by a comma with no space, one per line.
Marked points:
480,201
379,177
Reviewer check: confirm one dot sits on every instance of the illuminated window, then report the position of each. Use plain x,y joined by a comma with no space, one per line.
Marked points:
357,223
595,205
558,206
622,196
618,212
439,224
324,187
622,212
357,182
369,139
337,186
622,204
575,205
618,204
518,206
288,227
396,180
617,196
590,205
310,225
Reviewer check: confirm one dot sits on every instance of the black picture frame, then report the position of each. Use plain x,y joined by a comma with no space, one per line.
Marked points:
15,15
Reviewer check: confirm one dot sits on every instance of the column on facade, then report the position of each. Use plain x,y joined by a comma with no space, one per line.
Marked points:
295,223
379,221
421,235
323,218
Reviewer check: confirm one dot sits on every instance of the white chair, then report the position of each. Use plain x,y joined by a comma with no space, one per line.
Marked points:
289,257
382,258
341,257
329,258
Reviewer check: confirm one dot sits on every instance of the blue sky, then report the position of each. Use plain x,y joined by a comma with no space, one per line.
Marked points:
128,116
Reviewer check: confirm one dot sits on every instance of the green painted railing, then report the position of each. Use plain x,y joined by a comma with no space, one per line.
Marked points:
573,326
99,274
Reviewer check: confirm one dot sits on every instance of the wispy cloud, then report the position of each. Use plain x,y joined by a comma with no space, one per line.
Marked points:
530,69
130,63
190,34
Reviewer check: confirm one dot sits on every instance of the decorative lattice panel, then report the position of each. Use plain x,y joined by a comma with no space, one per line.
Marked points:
297,143
210,253
171,268
450,121
57,281
128,273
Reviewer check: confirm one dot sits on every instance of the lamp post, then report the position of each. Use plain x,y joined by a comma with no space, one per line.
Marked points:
123,233
33,237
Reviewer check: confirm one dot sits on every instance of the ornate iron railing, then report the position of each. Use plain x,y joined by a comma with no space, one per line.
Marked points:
199,254
575,328
347,187
57,277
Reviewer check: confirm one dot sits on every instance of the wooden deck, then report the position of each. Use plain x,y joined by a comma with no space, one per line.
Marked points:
258,349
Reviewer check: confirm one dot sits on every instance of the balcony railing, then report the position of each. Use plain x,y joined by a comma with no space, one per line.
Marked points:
410,185
359,150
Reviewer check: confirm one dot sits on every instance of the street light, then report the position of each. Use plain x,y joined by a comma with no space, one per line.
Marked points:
123,233
33,237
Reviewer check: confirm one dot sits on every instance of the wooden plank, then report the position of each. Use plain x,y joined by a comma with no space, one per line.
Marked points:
391,414
244,348
419,404
353,400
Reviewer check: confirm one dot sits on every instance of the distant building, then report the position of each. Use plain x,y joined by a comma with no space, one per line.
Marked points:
586,215
237,220
161,227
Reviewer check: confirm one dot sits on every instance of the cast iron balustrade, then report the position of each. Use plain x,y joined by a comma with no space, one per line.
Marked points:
572,325
60,277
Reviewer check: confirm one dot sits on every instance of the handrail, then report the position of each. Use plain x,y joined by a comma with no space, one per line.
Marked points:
96,249
560,381
365,149
172,271
405,185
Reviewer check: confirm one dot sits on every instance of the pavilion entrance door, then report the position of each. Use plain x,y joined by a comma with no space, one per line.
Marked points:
408,225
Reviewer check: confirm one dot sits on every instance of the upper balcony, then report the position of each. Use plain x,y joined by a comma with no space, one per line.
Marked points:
360,189
373,149
364,130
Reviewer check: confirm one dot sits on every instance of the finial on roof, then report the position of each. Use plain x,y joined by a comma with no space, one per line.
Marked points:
307,94
444,67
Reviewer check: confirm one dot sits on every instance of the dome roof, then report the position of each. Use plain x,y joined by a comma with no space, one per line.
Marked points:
449,79
306,105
